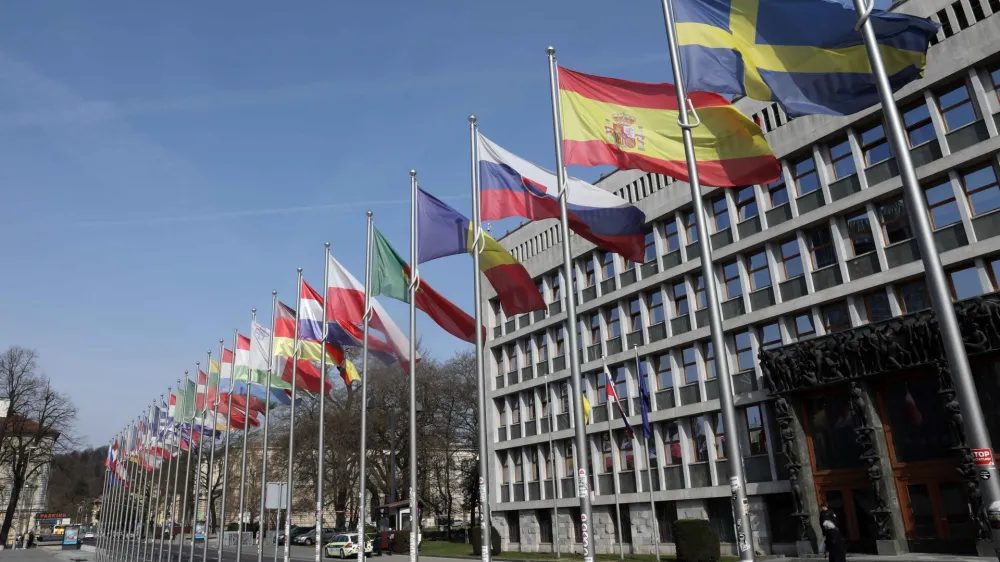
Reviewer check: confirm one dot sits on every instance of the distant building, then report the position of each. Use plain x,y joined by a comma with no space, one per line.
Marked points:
33,499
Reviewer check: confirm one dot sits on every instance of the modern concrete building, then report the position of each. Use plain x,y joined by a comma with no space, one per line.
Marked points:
826,250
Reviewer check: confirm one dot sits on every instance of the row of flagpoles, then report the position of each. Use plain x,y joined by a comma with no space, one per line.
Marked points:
596,121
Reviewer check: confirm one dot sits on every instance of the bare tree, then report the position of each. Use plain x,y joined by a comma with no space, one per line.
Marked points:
36,425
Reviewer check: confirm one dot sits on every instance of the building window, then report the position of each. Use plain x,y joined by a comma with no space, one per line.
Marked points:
859,230
836,318
691,228
965,283
564,398
664,376
595,328
556,288
700,443
994,272
913,296
650,254
919,128
680,298
804,328
671,444
877,306
760,274
806,179
956,107
505,473
982,189
512,358
654,301
518,468
614,322
821,247
941,204
568,457
699,293
708,352
635,314
720,435
608,264
560,335
690,365
895,221
874,146
588,269
770,336
544,518
670,239
995,79
542,343
502,412
777,192
529,353
529,406
720,212
842,159
515,410
746,203
755,430
731,277
543,404
626,458
744,352
495,307
609,461
790,259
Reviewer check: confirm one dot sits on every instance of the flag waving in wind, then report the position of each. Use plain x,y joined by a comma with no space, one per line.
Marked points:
609,388
311,343
443,231
804,54
513,187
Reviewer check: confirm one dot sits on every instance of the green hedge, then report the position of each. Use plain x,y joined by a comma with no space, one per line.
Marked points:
400,543
475,537
696,541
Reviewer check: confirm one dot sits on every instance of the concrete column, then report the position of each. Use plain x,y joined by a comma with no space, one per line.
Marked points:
691,509
643,531
603,536
531,532
790,427
499,519
759,525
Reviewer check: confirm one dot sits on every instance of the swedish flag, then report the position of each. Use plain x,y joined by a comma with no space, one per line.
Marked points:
803,54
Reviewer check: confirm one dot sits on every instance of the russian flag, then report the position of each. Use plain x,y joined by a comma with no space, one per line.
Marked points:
513,187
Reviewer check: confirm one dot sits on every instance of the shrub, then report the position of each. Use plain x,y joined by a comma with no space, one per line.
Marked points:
400,543
696,541
475,537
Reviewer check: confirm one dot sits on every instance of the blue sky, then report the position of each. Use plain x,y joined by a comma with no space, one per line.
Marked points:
165,165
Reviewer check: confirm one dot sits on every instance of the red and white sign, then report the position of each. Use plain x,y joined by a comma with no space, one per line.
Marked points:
982,457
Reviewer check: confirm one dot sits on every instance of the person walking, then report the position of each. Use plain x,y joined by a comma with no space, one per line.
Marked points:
31,539
836,550
19,542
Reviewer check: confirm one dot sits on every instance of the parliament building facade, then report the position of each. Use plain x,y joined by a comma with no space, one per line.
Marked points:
842,391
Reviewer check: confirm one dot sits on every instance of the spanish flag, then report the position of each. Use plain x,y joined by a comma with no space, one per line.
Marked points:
633,125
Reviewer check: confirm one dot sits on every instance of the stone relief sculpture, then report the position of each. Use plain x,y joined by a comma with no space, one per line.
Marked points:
863,431
900,343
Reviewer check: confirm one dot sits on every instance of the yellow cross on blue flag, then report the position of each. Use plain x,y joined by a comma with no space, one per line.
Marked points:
803,54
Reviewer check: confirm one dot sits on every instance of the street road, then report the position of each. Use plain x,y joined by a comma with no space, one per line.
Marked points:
298,554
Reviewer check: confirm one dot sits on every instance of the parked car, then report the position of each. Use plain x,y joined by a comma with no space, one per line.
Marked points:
296,531
309,538
346,544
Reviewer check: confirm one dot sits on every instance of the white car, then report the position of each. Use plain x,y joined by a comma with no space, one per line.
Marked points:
346,544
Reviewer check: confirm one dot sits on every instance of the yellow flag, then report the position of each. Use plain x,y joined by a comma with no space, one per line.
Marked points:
586,409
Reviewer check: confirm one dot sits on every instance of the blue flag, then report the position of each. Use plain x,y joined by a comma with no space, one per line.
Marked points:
774,50
644,403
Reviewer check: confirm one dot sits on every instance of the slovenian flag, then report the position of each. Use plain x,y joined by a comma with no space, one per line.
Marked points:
513,187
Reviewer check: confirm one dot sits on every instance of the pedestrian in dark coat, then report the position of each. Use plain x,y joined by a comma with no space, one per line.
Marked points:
836,550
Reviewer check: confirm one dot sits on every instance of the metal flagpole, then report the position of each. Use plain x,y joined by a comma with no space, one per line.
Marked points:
124,496
362,455
246,434
267,415
137,522
211,460
130,515
108,507
614,465
229,430
159,479
649,465
552,463
485,541
976,433
414,287
201,443
114,506
291,426
586,513
150,511
187,472
737,483
104,500
321,450
161,502
177,472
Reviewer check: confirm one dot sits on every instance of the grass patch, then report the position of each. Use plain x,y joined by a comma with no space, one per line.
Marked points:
445,548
